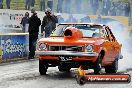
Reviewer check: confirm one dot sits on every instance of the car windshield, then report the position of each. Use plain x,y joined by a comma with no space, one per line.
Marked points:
86,29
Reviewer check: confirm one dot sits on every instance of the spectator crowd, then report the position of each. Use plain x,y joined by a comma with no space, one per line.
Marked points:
102,7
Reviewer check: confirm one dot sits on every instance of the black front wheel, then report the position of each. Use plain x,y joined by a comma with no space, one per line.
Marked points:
43,67
97,65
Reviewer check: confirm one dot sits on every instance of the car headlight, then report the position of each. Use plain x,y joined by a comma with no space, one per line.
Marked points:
42,46
89,48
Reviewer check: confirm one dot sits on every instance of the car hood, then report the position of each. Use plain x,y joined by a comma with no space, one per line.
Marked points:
81,41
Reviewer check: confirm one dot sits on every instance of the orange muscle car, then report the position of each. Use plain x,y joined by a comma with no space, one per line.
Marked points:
75,44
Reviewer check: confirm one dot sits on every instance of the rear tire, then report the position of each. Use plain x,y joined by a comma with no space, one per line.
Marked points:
43,67
97,65
112,68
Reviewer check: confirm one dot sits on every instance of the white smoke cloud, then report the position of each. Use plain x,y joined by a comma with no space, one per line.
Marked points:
121,33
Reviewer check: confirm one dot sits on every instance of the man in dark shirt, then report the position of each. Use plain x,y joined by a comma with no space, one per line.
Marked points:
34,23
48,23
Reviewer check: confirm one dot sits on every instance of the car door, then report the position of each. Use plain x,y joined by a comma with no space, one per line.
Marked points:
115,45
108,44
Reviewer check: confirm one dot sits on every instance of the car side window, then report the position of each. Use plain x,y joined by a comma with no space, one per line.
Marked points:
107,34
110,34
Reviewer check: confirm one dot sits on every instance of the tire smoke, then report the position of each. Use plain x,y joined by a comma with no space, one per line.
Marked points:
121,33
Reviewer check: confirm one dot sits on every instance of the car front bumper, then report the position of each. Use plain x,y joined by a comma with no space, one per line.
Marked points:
66,53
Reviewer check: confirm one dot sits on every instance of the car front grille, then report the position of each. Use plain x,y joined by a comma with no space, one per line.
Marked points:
66,48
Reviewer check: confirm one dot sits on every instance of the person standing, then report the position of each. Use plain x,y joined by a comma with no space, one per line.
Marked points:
1,4
50,4
71,19
42,5
8,3
67,6
99,20
24,22
59,6
60,18
94,5
32,3
34,23
85,19
113,10
127,9
27,4
48,23
106,7
120,8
